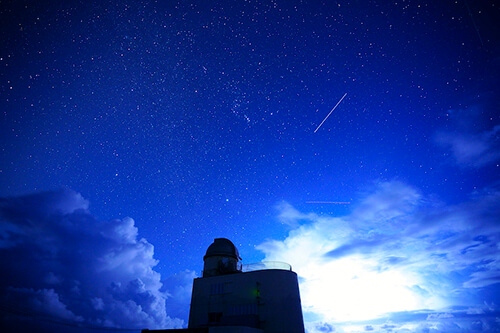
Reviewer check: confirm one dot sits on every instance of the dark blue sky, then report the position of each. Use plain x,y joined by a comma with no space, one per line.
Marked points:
197,121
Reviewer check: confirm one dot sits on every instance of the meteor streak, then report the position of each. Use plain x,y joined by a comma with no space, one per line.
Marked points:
330,113
329,202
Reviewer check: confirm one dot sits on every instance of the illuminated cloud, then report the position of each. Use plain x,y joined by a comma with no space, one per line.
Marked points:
62,264
396,252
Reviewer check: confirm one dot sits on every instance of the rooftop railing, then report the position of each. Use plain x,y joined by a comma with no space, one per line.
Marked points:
259,266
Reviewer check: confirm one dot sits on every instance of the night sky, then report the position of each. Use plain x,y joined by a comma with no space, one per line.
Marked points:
134,133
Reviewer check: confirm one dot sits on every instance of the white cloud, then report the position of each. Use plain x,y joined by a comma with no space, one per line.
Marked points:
444,315
396,251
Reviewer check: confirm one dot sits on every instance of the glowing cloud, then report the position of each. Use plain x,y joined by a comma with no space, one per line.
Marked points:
395,252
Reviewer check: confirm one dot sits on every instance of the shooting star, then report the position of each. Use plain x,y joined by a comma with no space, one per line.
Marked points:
330,112
329,202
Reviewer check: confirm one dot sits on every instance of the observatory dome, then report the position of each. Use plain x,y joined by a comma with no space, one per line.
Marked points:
222,247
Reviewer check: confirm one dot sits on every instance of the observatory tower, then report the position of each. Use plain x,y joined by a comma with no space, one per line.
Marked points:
261,297
231,298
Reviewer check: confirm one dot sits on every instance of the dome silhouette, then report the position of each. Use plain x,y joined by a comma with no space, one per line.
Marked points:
222,247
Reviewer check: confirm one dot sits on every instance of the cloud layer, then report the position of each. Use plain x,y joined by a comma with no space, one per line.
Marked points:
398,251
400,261
62,265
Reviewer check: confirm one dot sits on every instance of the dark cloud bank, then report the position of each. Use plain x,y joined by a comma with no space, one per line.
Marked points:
63,269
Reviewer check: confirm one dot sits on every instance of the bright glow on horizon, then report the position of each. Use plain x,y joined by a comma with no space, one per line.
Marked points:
357,268
350,289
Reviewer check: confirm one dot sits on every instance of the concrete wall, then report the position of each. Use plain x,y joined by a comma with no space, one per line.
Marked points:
266,299
233,329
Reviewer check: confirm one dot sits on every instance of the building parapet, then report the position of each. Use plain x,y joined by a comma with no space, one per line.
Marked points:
259,266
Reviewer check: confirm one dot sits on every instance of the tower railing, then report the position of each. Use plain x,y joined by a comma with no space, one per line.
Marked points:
259,266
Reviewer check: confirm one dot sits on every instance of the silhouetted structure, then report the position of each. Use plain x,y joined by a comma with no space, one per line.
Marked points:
262,298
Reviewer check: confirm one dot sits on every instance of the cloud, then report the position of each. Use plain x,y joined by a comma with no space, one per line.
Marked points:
178,288
422,321
397,251
290,216
61,264
472,141
324,327
474,150
434,316
42,301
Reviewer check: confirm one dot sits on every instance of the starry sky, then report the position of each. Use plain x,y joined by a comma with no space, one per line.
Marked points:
133,133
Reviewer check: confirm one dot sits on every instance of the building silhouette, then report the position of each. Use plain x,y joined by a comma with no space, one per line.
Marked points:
229,297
